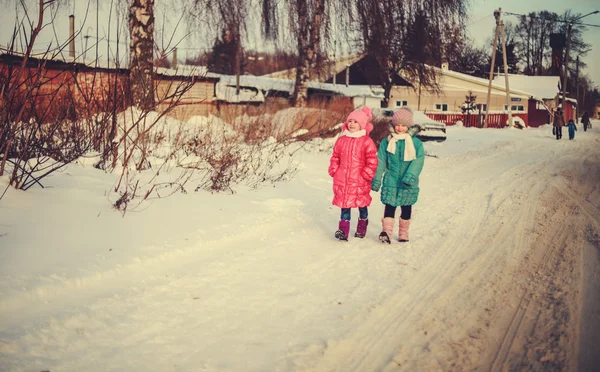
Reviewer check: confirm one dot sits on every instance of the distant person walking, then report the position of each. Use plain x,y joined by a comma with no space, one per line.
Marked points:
585,119
558,123
572,128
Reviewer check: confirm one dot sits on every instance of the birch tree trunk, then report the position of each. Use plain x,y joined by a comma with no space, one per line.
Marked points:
387,93
141,30
309,40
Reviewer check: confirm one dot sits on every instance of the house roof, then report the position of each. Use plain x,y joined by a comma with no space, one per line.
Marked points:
541,87
333,68
484,83
188,71
266,84
58,63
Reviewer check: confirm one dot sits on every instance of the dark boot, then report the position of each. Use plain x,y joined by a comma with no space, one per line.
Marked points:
361,228
343,230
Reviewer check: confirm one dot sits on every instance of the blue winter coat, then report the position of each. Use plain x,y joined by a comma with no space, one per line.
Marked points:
400,178
572,129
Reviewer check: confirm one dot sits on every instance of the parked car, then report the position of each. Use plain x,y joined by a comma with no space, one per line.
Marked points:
428,129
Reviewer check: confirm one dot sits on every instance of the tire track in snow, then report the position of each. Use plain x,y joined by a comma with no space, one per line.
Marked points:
554,246
516,324
66,290
378,338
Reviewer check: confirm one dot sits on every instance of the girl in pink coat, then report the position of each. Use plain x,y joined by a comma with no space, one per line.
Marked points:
353,166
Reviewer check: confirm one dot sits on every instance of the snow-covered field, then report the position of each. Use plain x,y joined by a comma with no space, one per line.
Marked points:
504,241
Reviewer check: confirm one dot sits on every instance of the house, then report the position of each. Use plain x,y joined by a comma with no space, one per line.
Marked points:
199,91
447,100
58,88
88,87
265,89
545,96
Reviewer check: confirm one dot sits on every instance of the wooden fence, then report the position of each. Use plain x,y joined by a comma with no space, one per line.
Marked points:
474,120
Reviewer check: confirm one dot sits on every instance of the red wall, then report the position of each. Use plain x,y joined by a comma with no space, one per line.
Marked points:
537,116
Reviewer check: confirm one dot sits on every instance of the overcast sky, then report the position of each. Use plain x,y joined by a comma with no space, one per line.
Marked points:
480,25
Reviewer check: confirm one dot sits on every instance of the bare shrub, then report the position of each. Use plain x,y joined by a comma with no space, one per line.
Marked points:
41,130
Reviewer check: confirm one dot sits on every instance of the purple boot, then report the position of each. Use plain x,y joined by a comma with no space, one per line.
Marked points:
361,228
343,230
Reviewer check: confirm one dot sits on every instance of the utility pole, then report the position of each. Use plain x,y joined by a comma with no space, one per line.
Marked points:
487,107
334,60
505,58
577,90
238,63
566,72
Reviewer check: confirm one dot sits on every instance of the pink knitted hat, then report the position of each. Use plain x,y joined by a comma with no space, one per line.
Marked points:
363,117
403,116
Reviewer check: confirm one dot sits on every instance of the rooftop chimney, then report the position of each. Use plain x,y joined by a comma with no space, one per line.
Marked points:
72,36
174,64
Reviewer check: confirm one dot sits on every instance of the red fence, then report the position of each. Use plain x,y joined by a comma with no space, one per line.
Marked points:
475,120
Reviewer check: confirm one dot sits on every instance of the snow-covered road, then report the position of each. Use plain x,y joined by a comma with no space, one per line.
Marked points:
493,277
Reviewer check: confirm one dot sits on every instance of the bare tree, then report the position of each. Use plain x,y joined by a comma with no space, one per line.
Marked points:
533,37
309,20
308,23
385,28
141,50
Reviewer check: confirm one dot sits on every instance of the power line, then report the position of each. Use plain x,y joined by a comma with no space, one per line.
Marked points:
480,19
548,19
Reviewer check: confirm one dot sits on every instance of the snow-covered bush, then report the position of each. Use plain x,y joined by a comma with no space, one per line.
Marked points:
207,151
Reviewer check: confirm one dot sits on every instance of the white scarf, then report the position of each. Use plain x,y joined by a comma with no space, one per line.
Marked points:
409,147
360,133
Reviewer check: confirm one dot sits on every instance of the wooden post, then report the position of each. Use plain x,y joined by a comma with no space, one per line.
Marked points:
505,58
487,107
577,90
566,72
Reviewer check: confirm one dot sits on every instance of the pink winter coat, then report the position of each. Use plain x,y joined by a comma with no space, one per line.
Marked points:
353,166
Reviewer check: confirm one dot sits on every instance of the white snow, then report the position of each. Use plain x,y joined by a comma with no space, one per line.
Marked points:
254,280
540,87
265,84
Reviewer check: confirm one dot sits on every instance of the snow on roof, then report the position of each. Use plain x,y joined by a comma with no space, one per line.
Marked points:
335,67
350,90
541,87
420,117
230,94
259,82
265,84
187,70
483,82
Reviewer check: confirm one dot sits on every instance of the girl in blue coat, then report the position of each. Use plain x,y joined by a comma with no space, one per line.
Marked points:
400,161
572,128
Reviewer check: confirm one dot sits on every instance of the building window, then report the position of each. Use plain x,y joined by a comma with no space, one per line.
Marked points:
441,107
515,108
483,106
401,103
